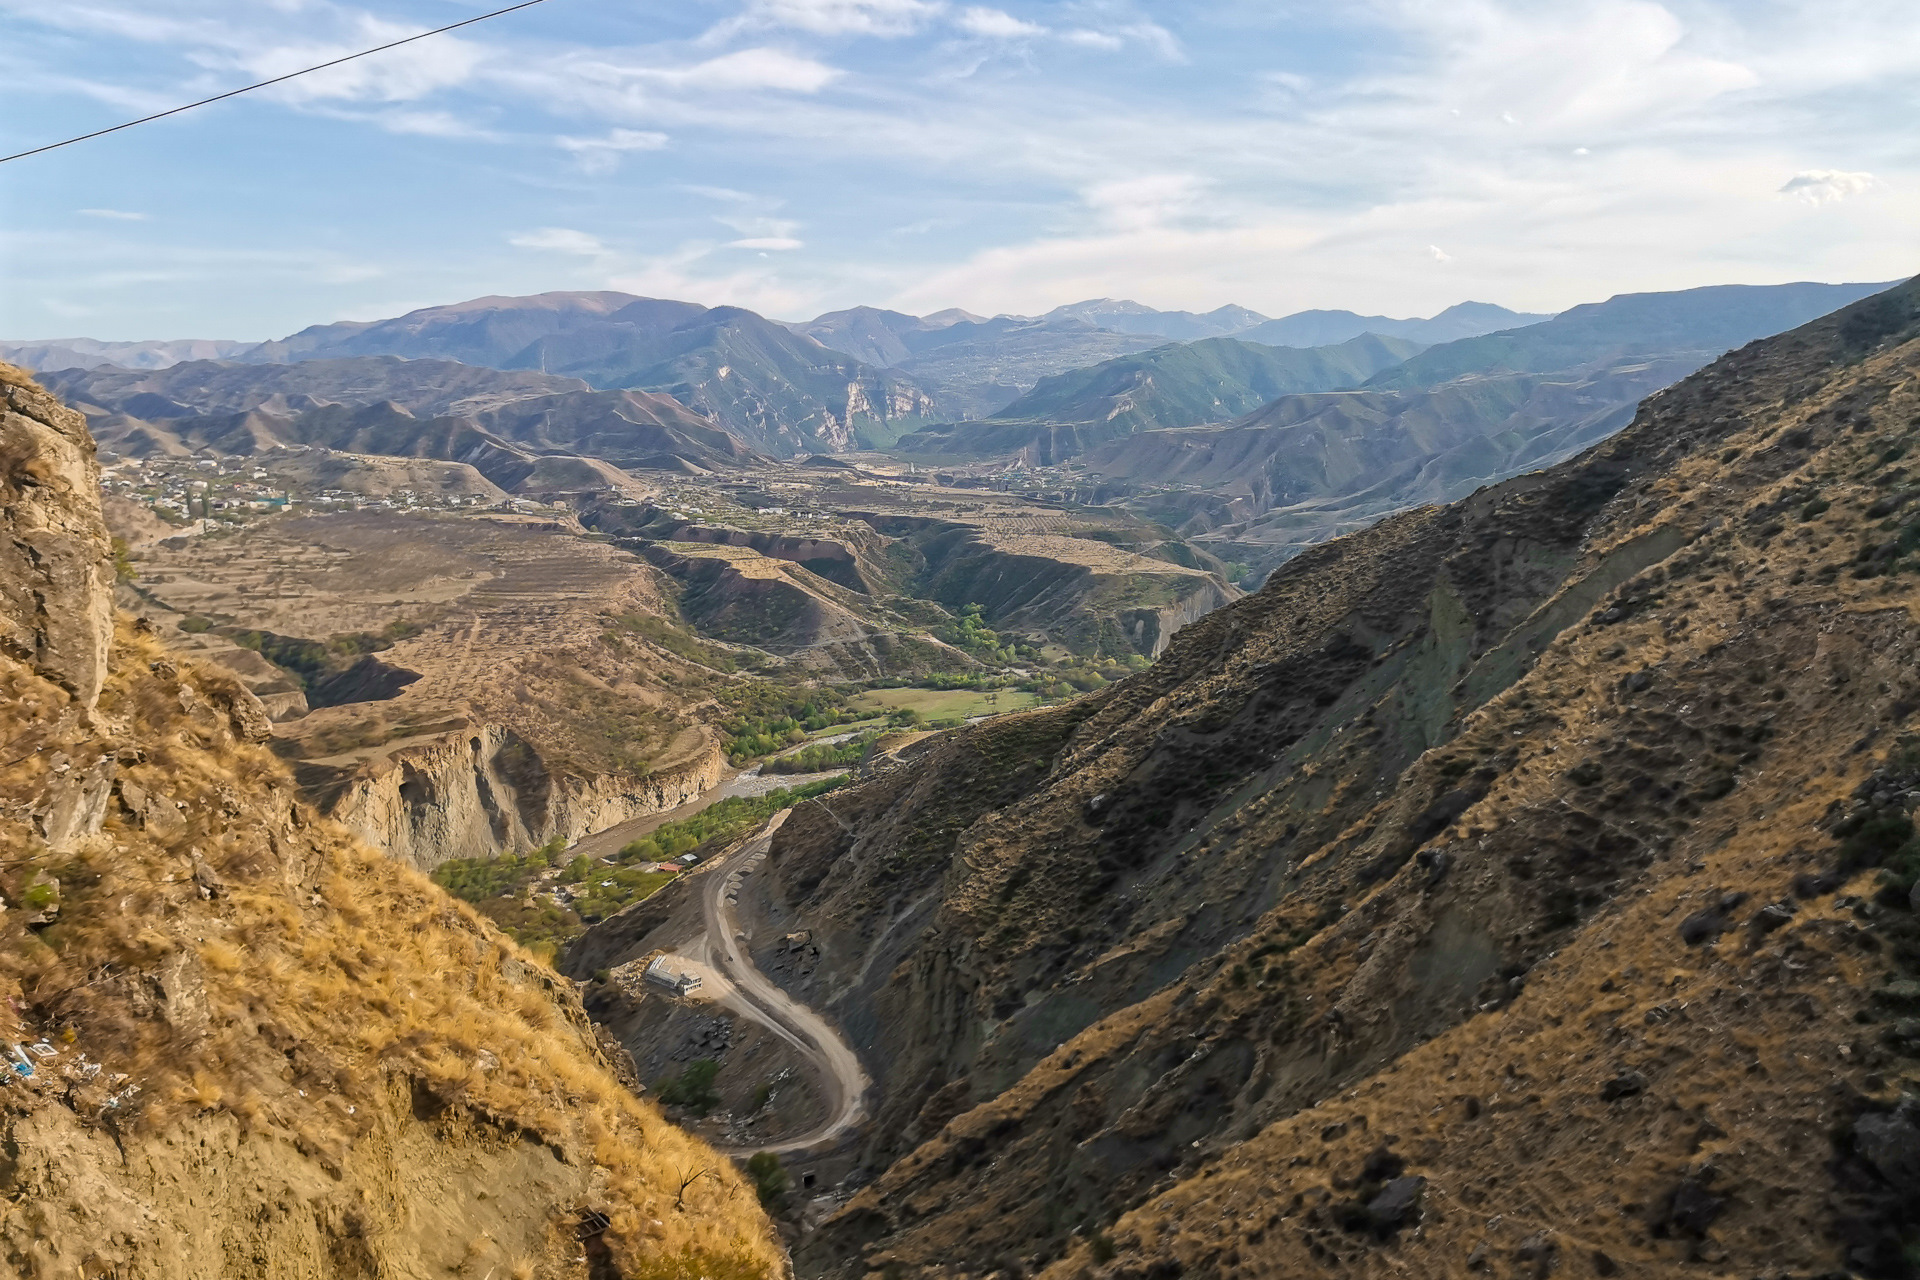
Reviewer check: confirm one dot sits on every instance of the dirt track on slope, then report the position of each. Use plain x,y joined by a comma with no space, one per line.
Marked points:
733,979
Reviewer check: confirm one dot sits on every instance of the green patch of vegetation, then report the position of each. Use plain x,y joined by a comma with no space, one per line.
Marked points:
194,624
728,820
970,633
122,561
692,1088
822,756
766,718
912,706
769,1178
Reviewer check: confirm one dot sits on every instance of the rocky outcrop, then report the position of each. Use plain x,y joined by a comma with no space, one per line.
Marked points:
56,613
1150,629
489,791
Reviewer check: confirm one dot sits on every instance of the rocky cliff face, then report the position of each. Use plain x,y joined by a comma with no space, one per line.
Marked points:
487,791
241,1042
55,611
1523,886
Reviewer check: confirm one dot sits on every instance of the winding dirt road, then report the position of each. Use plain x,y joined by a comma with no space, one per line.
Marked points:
731,978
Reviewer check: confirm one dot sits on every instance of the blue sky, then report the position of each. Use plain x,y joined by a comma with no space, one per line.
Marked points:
795,156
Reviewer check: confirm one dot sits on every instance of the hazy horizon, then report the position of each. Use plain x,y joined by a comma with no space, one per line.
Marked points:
801,156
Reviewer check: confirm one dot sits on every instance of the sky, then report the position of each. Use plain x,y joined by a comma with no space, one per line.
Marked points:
798,156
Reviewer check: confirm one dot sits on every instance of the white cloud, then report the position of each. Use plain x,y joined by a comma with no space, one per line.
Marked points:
1150,200
1439,254
561,240
602,154
1825,186
117,215
1114,38
775,244
751,69
996,24
886,18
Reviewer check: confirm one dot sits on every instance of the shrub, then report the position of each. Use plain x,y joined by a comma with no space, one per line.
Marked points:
692,1088
769,1178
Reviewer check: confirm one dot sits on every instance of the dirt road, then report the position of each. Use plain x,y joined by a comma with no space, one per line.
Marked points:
732,979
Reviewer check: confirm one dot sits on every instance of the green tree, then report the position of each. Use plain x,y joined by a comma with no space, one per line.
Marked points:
692,1088
769,1178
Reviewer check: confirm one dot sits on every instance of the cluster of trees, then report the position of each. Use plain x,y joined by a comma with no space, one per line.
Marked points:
969,632
822,756
728,820
767,718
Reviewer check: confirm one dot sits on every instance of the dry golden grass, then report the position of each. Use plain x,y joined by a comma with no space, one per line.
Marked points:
320,968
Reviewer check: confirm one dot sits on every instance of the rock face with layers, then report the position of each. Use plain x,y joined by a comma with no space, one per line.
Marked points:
55,611
490,790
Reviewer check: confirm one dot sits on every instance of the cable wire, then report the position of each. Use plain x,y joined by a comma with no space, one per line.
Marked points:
234,93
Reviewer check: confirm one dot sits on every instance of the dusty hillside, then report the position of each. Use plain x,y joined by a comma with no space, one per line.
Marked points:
241,1043
1520,887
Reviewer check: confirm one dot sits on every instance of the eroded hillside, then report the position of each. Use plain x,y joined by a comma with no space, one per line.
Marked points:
243,1043
1520,886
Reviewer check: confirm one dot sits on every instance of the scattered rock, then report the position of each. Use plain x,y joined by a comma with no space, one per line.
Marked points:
1396,1205
1890,1142
1809,886
1771,917
1689,1208
1703,926
1627,1084
1709,923
1538,1252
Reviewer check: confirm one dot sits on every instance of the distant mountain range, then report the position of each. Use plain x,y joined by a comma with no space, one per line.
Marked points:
773,388
856,378
976,368
653,382
1175,385
1442,423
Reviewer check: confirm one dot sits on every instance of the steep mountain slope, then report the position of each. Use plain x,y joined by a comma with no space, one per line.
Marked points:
1498,889
1211,380
777,390
244,1043
1305,468
501,422
1322,328
1696,323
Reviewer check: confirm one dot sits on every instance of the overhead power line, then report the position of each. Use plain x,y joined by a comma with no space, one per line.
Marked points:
291,75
